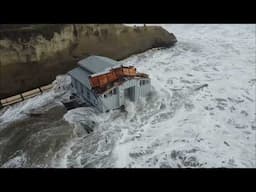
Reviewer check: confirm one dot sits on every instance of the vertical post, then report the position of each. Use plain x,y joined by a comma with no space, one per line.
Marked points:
1,104
22,97
40,90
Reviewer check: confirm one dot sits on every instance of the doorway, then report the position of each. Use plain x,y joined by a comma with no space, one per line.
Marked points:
129,93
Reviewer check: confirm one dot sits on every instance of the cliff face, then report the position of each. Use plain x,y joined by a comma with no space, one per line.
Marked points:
32,55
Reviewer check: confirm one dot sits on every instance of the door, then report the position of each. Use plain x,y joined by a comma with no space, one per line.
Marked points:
129,93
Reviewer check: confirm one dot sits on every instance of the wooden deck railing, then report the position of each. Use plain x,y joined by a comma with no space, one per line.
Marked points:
25,95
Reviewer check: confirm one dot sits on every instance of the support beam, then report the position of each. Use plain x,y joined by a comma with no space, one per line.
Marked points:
22,97
40,90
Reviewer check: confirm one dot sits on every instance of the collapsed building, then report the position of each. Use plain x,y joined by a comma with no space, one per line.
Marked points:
107,84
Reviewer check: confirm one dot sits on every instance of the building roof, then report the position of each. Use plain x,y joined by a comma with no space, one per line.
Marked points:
81,75
97,64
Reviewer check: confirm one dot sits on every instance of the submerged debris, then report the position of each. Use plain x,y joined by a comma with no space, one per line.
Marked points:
200,87
226,143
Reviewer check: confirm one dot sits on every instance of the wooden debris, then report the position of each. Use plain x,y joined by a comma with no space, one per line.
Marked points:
201,86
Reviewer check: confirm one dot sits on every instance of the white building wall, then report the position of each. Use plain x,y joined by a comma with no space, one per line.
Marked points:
111,101
144,90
